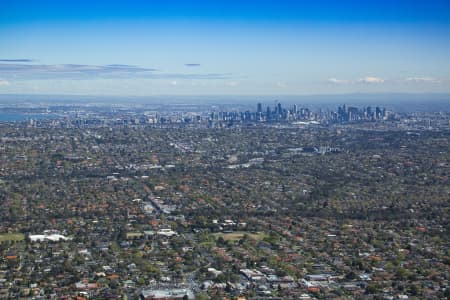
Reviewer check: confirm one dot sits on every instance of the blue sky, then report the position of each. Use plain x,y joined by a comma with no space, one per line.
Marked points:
224,47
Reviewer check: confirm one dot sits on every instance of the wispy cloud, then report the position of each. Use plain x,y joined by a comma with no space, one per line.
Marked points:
232,83
423,80
120,66
4,82
72,68
339,81
379,80
75,71
368,80
371,79
16,60
192,75
192,65
281,84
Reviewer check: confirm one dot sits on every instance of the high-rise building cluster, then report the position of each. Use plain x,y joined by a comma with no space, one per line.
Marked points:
278,113
351,114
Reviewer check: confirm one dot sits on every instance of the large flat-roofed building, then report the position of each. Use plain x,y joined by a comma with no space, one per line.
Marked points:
169,294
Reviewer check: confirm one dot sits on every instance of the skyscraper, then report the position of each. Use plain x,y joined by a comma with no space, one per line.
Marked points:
259,108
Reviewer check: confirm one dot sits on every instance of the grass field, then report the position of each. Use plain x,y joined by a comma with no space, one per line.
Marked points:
11,237
236,236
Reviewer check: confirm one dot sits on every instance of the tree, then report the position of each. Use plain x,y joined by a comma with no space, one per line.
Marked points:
201,296
373,288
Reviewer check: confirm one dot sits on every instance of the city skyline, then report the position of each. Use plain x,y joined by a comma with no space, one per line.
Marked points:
146,48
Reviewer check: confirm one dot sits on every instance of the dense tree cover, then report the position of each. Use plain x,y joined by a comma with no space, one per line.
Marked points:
377,206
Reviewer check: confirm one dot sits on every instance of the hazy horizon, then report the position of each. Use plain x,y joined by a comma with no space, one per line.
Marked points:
400,102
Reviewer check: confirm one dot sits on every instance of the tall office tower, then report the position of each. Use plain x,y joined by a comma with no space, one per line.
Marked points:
353,113
341,114
377,113
369,112
259,108
268,113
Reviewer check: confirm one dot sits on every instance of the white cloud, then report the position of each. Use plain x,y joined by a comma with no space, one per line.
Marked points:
232,83
371,79
339,81
375,80
423,79
173,83
281,85
4,82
